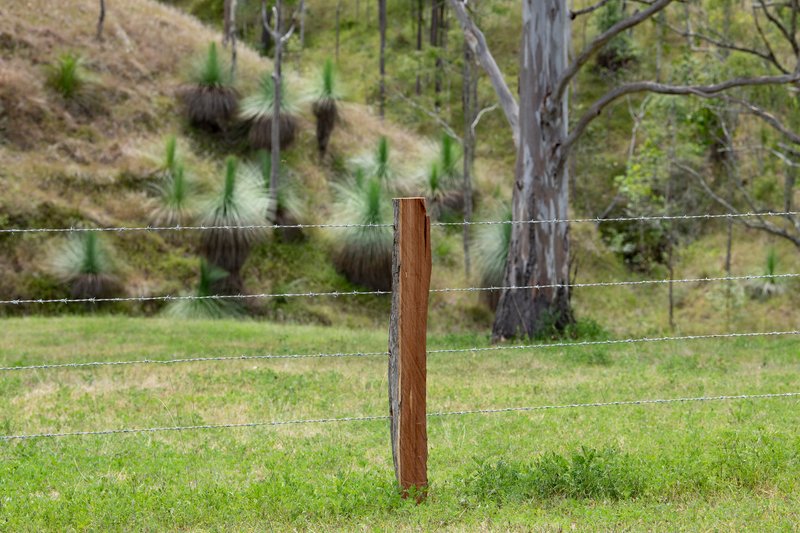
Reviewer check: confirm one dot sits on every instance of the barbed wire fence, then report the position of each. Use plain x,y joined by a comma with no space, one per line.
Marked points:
56,366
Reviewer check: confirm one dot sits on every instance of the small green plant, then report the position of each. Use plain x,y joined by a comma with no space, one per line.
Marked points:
205,306
68,75
86,263
240,201
364,255
210,101
765,288
259,109
288,209
173,204
490,246
325,108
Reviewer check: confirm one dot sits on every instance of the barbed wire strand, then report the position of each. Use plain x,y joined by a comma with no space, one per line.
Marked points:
372,354
336,294
596,220
384,417
616,341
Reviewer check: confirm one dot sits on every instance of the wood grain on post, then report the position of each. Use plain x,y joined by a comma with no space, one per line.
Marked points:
411,278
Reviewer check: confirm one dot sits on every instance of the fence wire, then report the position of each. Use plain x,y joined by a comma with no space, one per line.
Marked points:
384,354
336,294
385,417
596,220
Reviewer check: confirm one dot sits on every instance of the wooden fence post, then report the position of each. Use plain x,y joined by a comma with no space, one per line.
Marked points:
411,279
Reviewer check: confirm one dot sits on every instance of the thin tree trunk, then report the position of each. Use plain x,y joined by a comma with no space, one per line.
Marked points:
303,23
229,31
469,99
539,253
437,12
338,13
100,20
382,23
275,152
265,22
420,22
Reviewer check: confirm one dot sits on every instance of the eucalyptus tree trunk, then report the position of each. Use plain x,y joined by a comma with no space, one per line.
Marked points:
382,23
100,20
539,253
470,104
275,151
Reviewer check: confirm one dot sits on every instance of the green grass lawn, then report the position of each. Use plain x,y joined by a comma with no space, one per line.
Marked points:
729,465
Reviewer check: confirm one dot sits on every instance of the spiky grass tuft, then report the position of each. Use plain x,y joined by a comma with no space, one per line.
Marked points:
490,246
86,263
766,288
364,255
259,109
205,307
325,108
173,203
240,201
67,76
211,101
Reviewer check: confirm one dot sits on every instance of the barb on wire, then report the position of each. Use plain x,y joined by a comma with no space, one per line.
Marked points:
619,283
596,220
168,298
616,341
372,354
191,360
384,417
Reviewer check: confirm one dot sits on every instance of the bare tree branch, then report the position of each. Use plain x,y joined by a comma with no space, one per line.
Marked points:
586,10
772,18
766,116
604,38
703,91
479,116
477,43
761,224
769,56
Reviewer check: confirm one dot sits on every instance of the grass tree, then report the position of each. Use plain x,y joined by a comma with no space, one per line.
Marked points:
68,75
205,306
172,204
86,262
259,109
240,201
490,246
210,100
287,210
325,107
442,184
364,255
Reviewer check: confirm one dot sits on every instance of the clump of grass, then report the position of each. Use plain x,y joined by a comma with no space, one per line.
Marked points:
210,100
259,109
67,76
87,264
586,473
240,201
325,108
364,255
173,205
491,255
205,307
766,288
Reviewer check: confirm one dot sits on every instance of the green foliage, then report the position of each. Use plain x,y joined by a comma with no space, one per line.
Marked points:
765,288
68,76
174,204
206,307
261,104
382,168
587,473
86,262
328,82
619,51
211,70
490,246
239,201
449,158
171,154
364,255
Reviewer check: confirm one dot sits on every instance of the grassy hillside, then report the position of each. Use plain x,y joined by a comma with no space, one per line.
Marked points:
715,465
92,161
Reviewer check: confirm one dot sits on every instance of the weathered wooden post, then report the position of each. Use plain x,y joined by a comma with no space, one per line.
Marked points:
411,279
